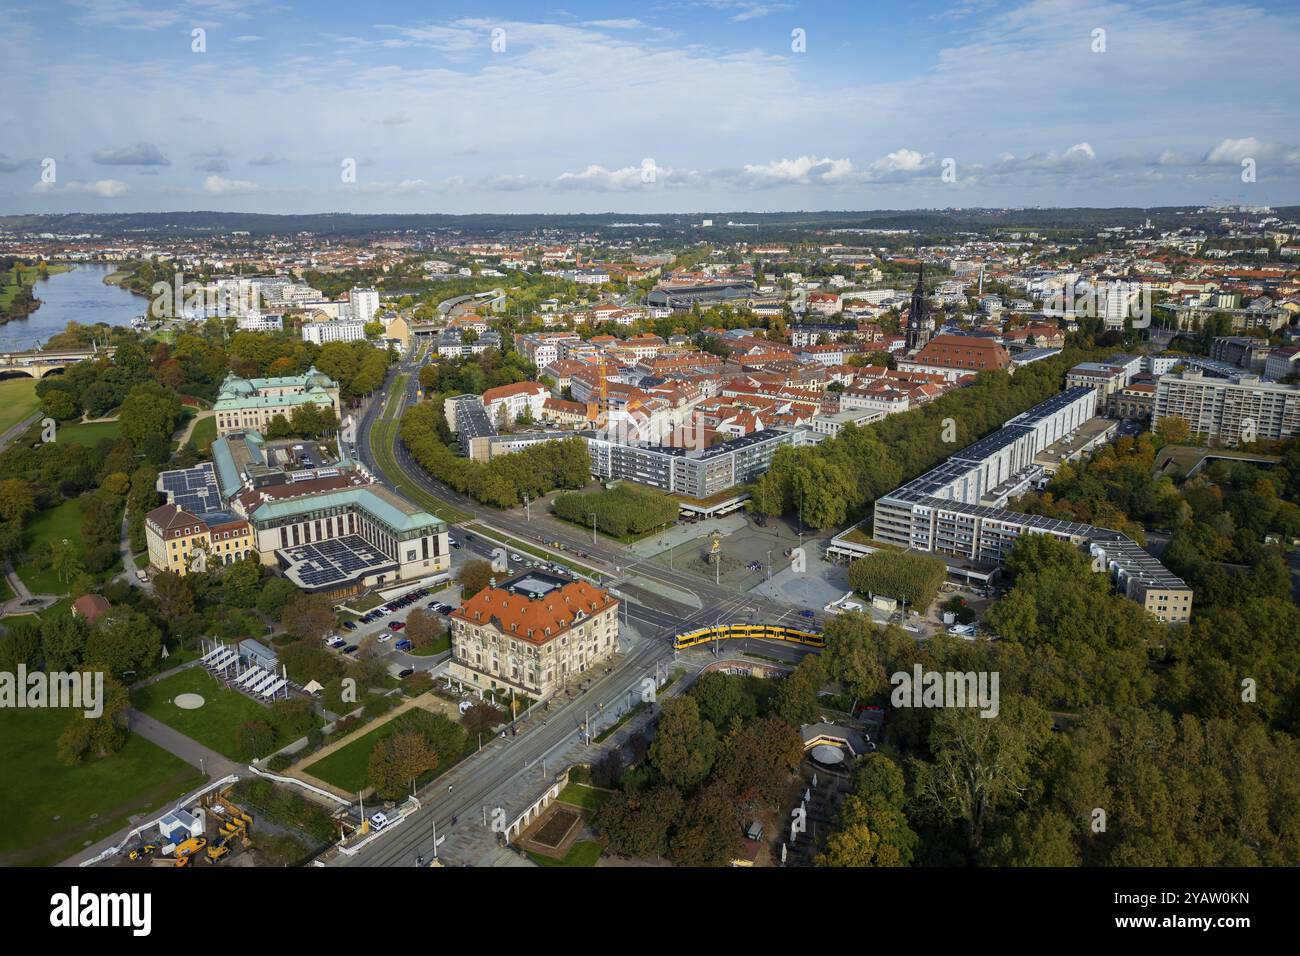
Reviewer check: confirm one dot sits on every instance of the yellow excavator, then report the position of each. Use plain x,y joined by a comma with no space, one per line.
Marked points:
237,825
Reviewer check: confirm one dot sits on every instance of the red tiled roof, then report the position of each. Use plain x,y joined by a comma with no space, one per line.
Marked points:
536,620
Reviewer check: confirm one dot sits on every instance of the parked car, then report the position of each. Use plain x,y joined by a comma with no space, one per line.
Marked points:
403,645
378,820
385,637
350,625
516,558
350,649
397,625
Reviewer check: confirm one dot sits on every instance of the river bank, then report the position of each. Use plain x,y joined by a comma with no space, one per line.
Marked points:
70,292
17,299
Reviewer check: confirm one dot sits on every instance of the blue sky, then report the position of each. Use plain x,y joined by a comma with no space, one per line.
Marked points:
713,105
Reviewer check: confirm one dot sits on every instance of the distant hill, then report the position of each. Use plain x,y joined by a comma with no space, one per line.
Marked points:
766,225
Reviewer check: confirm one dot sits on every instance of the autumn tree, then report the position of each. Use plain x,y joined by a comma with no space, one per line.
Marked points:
685,745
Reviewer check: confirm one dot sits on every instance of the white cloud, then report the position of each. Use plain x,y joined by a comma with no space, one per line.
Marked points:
220,186
1233,151
599,178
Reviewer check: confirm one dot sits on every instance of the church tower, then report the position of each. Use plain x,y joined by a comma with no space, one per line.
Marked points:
919,327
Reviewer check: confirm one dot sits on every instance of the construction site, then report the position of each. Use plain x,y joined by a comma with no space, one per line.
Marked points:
215,832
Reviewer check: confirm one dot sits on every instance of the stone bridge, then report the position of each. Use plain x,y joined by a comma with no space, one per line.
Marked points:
39,364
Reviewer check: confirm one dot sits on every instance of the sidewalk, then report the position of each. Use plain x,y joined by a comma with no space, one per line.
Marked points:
18,603
426,701
208,761
128,559
469,843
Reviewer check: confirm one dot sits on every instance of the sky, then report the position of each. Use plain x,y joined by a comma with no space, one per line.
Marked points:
637,108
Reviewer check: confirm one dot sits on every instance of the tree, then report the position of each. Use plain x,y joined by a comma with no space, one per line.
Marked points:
174,593
309,616
16,499
756,759
685,746
150,412
241,582
62,558
58,404
608,770
871,828
796,698
473,577
20,644
63,641
398,760
709,834
97,736
124,642
980,765
422,628
912,578
638,825
722,698
1172,430
276,593
850,655
482,718
292,717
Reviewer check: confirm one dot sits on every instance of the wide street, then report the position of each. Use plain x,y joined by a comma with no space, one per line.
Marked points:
651,619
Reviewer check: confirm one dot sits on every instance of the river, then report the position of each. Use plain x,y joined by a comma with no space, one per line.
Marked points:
79,295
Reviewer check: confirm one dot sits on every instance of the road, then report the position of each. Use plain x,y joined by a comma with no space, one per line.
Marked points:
645,646
610,557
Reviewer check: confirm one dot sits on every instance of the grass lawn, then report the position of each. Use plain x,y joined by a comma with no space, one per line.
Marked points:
90,433
17,401
367,602
348,768
53,524
204,433
582,853
443,643
582,795
90,801
214,724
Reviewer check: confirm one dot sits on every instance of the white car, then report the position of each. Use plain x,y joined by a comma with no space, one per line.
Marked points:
385,637
515,558
378,821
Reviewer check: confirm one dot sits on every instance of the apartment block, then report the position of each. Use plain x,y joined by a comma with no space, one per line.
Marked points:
1231,411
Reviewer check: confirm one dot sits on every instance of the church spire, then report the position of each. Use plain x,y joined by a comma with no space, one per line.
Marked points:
918,322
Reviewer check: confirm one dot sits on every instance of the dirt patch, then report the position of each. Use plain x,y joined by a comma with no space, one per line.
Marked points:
555,831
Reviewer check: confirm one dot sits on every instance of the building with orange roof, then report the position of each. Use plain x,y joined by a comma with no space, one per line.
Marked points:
532,634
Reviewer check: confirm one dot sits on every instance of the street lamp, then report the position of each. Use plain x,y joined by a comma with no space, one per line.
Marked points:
592,516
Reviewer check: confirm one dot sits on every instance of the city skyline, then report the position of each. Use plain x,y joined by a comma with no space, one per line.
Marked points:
687,106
